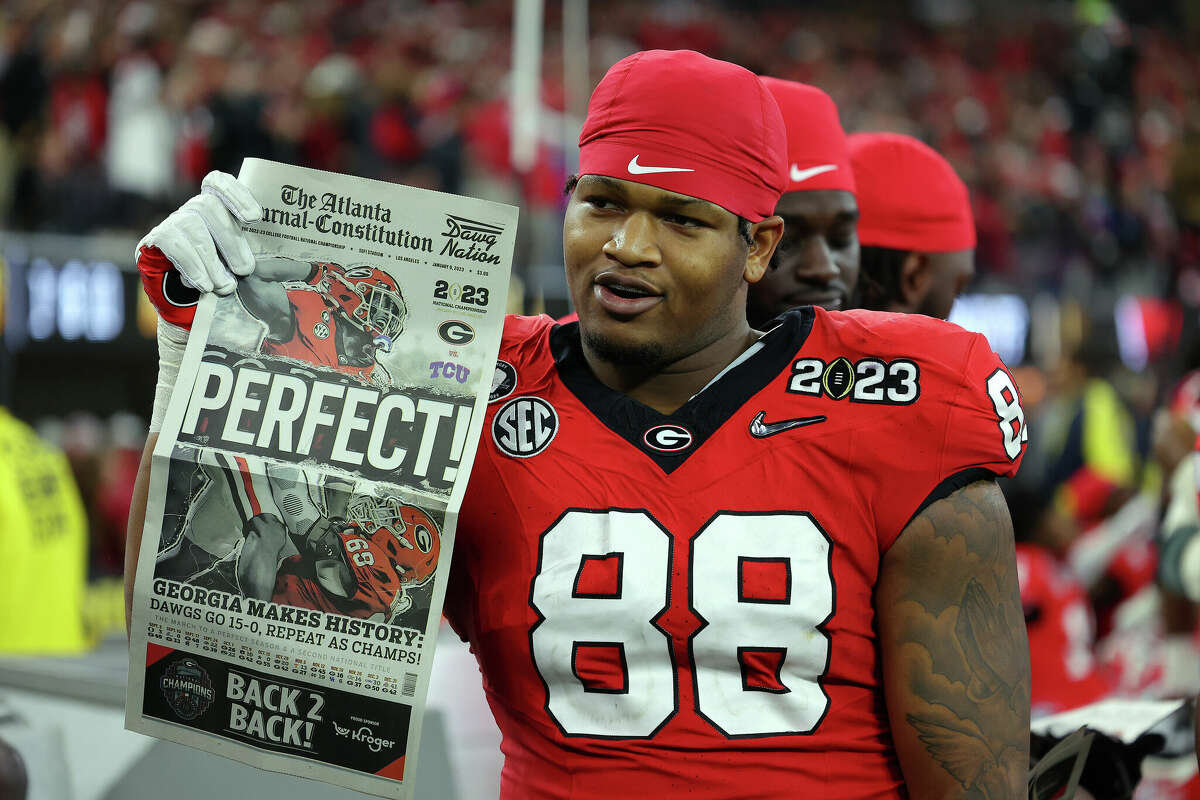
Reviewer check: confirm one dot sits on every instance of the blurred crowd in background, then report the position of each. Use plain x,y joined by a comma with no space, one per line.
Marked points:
1065,119
1076,126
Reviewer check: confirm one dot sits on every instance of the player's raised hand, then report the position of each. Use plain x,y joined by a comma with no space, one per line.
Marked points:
199,248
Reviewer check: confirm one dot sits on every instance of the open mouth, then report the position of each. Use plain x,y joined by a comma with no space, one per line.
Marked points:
628,292
625,296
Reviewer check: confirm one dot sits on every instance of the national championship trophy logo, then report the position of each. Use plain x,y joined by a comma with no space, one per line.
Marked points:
187,689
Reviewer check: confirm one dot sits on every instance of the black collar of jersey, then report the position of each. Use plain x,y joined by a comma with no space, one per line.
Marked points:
701,416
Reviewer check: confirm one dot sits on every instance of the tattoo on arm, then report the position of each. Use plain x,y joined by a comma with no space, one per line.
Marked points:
962,641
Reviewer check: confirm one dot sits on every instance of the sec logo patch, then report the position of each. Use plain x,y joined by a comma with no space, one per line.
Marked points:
524,426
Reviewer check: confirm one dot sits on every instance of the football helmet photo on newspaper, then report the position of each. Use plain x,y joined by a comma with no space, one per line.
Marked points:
415,542
370,299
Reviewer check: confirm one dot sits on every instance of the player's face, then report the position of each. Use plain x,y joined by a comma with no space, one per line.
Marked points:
817,259
950,274
655,276
354,345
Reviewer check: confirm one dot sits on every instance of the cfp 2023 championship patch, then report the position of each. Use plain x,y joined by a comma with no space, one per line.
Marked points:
869,380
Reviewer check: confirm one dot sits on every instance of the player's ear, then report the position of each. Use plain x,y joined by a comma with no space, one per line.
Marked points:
764,238
916,276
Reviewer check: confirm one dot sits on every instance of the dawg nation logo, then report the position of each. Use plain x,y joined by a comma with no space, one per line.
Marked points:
187,689
470,239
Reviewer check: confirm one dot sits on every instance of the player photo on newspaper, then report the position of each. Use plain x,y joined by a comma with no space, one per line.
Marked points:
307,478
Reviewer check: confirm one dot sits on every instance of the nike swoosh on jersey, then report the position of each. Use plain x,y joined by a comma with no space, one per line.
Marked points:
801,175
761,430
638,169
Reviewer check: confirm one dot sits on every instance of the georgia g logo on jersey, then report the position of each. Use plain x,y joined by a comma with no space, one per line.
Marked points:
524,426
668,438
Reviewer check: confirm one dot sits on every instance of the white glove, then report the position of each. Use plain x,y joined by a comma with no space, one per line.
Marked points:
203,238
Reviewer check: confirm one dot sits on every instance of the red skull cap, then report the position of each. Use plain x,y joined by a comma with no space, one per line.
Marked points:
816,144
909,197
681,121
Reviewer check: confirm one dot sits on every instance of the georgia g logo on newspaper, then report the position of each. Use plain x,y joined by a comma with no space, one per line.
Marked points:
456,332
366,735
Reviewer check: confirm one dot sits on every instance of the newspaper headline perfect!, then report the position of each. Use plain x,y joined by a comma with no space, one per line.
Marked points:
243,407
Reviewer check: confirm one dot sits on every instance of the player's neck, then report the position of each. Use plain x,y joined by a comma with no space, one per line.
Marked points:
667,388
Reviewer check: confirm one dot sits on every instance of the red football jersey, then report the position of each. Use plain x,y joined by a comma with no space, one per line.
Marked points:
314,332
1062,634
681,605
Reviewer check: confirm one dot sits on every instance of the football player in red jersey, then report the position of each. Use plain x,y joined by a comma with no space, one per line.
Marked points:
326,315
816,262
915,227
1058,614
698,560
365,565
359,565
321,313
1179,536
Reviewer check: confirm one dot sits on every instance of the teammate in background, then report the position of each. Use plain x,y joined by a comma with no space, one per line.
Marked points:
816,262
1058,614
915,226
321,313
1179,535
665,603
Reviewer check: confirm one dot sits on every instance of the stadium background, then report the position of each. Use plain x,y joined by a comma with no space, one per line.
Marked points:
1076,126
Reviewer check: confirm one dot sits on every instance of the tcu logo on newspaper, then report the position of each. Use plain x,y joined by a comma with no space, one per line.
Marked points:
524,426
448,369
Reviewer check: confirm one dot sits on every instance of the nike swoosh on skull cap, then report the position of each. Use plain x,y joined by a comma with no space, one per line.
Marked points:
637,169
800,175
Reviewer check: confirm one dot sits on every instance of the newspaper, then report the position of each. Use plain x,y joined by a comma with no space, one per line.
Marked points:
1126,720
306,481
